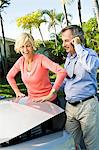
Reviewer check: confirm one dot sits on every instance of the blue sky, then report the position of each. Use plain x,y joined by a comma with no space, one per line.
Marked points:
19,8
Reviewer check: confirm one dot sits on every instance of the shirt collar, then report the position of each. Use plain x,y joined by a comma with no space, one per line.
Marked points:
71,56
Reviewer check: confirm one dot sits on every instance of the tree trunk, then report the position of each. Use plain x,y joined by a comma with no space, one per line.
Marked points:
55,36
79,11
30,31
42,37
96,8
2,66
4,48
67,22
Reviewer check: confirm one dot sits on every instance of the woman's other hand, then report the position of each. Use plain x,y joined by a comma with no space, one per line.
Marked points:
19,94
47,97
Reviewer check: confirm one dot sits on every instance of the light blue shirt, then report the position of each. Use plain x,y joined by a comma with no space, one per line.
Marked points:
82,70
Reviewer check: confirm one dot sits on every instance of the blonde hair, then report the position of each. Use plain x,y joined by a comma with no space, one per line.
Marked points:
23,39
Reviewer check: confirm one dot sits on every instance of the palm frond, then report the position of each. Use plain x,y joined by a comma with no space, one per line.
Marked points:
4,3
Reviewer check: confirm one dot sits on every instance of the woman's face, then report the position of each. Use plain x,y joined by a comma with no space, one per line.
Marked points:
26,49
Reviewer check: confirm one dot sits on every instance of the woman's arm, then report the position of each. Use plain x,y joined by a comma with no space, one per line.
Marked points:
11,79
57,69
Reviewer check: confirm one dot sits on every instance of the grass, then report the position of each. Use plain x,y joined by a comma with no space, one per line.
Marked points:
6,90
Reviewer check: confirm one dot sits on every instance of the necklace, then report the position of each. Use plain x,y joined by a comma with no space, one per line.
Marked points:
29,73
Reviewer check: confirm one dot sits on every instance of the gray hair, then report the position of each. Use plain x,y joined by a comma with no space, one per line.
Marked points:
76,31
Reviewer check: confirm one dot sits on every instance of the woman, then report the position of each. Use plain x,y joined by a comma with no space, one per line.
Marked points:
35,72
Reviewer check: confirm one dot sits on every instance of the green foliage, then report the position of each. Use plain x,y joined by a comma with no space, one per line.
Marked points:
25,22
53,18
90,28
43,50
6,90
58,53
37,18
31,20
55,53
91,34
34,19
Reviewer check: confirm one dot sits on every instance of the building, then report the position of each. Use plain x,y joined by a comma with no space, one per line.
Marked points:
9,46
10,53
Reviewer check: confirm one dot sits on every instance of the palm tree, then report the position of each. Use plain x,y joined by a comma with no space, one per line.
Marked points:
39,19
52,22
96,8
64,2
31,20
3,4
60,19
79,10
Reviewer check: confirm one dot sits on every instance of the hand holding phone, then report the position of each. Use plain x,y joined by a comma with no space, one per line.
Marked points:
75,41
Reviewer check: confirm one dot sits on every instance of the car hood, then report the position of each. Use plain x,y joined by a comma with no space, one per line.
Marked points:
56,141
16,119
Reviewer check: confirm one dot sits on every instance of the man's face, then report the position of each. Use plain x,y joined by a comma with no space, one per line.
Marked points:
66,38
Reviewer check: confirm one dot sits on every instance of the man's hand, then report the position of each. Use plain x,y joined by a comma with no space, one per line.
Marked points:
76,41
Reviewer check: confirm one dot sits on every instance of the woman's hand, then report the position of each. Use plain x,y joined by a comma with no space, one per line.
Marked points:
47,97
19,94
42,99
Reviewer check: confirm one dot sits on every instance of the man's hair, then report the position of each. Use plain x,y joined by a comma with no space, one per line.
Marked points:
76,31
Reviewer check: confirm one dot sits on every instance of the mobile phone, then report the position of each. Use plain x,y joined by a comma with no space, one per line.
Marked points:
72,45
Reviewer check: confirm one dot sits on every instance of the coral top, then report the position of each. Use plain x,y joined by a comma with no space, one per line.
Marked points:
37,81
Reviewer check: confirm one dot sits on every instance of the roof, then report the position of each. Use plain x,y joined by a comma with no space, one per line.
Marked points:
8,39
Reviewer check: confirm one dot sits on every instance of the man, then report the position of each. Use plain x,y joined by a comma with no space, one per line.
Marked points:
80,88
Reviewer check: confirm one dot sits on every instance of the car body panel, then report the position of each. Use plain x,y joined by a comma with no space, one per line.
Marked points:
16,118
56,141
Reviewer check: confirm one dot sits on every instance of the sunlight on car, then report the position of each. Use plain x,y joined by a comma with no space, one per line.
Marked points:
36,126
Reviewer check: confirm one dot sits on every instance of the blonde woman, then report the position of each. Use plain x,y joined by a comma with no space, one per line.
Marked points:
34,70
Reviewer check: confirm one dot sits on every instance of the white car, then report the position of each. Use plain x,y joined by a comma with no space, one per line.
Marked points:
27,127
